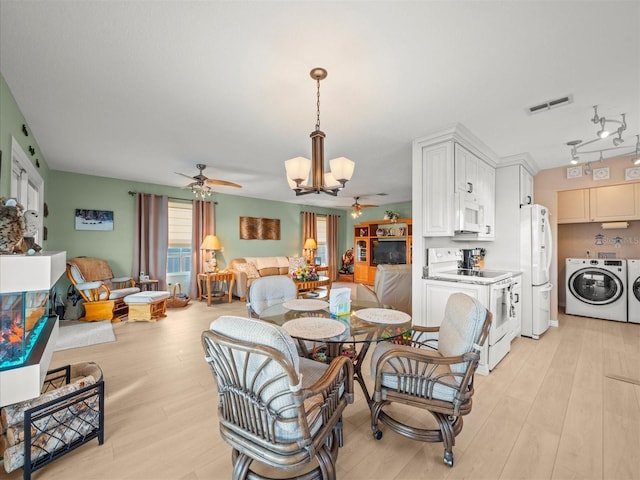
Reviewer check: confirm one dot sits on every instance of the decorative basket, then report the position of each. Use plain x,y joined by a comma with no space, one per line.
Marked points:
177,298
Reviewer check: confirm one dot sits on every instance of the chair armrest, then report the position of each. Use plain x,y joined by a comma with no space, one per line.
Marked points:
240,283
124,280
340,371
91,291
365,294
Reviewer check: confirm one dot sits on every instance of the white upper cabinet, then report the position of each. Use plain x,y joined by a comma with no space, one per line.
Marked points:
465,170
526,187
447,167
486,191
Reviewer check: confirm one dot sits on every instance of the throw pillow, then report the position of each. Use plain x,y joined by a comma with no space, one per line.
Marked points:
295,263
248,268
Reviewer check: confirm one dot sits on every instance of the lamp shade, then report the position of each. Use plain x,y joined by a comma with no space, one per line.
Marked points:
310,244
298,168
210,242
342,168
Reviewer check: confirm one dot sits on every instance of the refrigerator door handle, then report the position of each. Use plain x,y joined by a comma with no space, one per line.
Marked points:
547,288
549,242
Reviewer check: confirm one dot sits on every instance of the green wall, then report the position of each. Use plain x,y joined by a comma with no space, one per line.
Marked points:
11,121
68,191
64,192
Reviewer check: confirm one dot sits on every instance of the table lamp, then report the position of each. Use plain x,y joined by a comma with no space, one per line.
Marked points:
211,244
309,246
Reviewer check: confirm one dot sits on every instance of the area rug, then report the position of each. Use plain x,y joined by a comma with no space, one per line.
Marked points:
75,334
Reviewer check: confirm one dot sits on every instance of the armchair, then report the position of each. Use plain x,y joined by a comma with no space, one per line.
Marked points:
392,287
275,407
434,373
103,294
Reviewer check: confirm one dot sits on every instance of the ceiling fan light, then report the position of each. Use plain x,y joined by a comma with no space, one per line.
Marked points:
342,169
297,168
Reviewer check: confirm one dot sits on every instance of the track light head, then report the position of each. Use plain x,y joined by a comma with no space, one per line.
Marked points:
588,169
603,132
618,140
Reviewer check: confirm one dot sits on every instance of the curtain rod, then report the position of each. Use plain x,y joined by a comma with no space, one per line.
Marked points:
321,214
132,193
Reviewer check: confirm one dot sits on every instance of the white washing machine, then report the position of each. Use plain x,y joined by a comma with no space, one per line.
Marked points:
633,289
597,287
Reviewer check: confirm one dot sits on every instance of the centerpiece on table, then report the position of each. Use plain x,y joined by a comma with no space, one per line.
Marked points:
305,273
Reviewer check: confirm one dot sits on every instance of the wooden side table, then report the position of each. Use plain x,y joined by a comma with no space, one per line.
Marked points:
147,285
204,286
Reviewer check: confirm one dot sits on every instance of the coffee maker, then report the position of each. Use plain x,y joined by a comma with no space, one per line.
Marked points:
473,258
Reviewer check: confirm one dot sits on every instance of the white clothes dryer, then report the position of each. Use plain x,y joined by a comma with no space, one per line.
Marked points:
597,288
633,290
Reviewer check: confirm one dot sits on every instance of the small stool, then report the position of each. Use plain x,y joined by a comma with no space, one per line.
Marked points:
147,306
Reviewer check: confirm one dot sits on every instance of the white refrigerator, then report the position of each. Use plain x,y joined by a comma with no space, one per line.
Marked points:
535,262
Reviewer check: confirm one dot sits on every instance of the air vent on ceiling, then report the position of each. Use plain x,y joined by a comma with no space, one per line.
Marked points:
548,105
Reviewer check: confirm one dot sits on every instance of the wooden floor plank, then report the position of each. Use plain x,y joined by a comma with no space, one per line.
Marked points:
546,411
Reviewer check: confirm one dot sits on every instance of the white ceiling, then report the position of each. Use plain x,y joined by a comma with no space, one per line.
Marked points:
139,90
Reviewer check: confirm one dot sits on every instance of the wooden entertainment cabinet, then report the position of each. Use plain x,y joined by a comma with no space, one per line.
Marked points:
380,241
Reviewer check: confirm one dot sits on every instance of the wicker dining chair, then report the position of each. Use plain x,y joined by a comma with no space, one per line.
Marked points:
435,373
275,407
267,291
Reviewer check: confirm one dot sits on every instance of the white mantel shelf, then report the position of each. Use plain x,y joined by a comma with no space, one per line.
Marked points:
28,273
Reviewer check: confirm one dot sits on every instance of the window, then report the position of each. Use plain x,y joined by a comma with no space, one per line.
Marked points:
321,230
27,186
179,252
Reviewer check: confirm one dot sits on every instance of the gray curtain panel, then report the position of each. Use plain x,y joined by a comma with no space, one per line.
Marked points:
204,223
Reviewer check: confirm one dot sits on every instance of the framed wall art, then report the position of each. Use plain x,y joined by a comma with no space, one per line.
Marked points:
252,228
601,173
574,172
100,220
632,173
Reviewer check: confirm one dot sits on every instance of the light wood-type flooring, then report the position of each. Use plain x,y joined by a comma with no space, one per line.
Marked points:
548,411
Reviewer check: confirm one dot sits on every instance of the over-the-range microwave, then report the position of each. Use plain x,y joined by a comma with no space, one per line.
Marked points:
469,213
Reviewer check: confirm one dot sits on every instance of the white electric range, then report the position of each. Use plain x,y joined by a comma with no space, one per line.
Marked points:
442,277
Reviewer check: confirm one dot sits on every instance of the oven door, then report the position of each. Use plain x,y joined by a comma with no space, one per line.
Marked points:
500,307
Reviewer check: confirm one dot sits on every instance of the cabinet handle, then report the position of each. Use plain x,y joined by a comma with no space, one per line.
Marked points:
470,189
529,199
488,229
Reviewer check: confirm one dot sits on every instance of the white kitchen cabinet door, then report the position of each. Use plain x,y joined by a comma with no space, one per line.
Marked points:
526,187
487,197
437,190
465,170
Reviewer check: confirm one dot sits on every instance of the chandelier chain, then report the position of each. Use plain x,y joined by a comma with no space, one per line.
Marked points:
318,106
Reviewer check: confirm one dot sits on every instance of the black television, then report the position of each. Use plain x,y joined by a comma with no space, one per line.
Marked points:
393,251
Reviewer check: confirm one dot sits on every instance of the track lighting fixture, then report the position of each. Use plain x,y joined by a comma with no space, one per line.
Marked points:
636,159
588,169
578,146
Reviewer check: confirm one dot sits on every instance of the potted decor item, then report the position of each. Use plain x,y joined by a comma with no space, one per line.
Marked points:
391,215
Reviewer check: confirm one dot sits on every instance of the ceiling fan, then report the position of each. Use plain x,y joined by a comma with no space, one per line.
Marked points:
356,208
200,185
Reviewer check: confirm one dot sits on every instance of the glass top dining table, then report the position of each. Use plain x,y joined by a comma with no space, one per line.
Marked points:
367,323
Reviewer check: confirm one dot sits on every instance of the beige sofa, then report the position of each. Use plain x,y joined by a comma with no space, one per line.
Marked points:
245,273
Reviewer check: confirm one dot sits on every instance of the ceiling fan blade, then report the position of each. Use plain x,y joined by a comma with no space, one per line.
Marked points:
213,181
367,206
186,176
